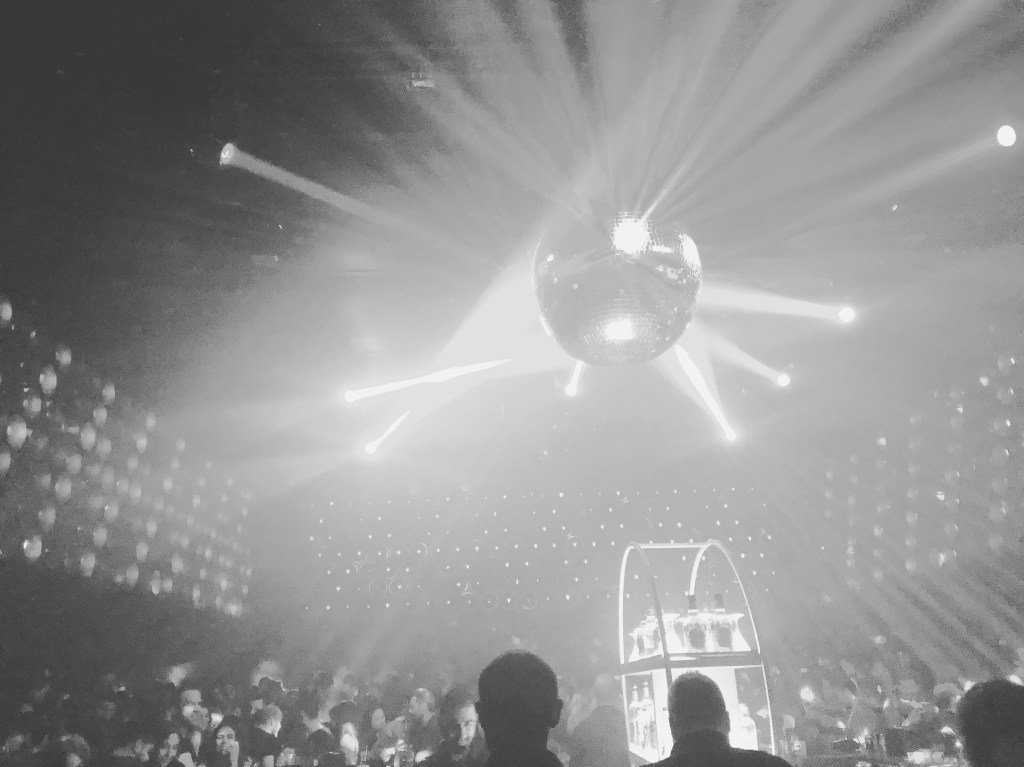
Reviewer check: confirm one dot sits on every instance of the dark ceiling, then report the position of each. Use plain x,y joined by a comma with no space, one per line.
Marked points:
237,307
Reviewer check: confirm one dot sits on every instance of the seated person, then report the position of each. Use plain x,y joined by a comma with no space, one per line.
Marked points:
423,734
463,744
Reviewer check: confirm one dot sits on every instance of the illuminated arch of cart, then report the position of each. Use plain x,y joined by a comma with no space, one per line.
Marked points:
657,645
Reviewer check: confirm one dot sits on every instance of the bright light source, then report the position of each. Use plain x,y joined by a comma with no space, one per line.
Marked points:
783,380
619,329
372,447
573,387
1006,136
437,377
701,385
631,235
847,314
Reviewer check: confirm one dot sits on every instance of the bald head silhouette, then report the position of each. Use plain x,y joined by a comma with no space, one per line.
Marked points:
519,702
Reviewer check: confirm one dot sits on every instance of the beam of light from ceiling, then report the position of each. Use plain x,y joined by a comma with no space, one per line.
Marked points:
1002,610
722,296
695,342
767,82
873,601
573,387
904,179
726,350
913,612
233,157
700,386
538,354
810,127
374,445
391,218
437,377
667,99
501,321
526,131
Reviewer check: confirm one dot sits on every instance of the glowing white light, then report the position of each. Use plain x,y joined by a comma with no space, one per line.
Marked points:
1006,136
573,387
439,376
701,385
619,329
631,235
372,447
847,314
783,380
1015,679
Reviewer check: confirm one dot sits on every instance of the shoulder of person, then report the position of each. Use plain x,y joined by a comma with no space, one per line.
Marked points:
748,758
666,762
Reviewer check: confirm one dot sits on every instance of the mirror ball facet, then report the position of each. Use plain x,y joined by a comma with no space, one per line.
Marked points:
624,296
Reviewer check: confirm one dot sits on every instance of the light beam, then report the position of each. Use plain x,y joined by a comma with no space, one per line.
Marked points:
372,447
721,296
733,354
233,157
573,387
438,376
697,379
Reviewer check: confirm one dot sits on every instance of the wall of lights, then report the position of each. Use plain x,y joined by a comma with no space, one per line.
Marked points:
917,539
929,519
88,483
520,550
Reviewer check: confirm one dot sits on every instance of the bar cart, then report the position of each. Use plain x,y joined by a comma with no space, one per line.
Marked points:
673,619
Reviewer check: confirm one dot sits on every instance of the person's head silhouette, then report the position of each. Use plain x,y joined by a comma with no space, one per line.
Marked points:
991,717
695,703
519,702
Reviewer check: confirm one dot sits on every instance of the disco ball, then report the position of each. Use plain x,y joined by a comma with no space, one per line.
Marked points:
619,296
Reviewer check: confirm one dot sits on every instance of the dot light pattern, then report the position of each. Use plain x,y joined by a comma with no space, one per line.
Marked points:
519,550
88,483
931,517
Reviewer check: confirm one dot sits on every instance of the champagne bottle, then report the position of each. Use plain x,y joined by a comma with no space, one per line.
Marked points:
650,736
634,716
693,626
721,625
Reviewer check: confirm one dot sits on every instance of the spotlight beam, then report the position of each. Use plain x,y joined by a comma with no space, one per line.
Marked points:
438,376
233,157
745,300
733,354
573,387
374,446
697,379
